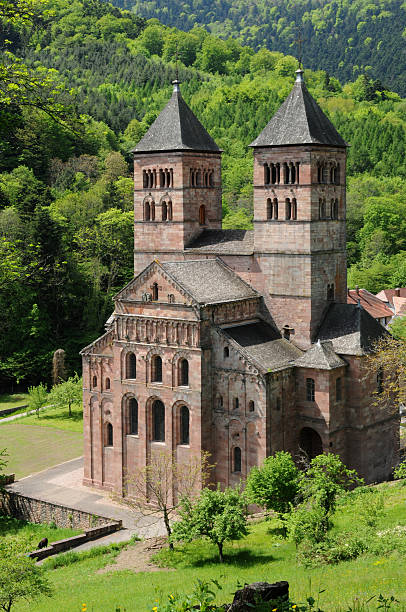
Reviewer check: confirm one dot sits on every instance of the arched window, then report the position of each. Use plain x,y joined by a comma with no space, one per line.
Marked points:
273,174
131,366
133,417
379,380
107,384
294,209
322,208
338,390
198,178
202,215
144,179
184,425
161,178
267,174
237,459
275,208
251,406
310,442
310,389
183,373
226,352
220,401
158,421
288,209
109,435
292,173
147,212
155,291
330,292
285,173
334,214
156,369
236,403
164,211
94,381
297,171
192,177
168,177
337,173
211,179
269,209
169,211
152,211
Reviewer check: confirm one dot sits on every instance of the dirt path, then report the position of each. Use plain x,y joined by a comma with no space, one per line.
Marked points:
138,558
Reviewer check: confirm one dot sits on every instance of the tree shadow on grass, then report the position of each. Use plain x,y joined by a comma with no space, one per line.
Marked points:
237,558
55,415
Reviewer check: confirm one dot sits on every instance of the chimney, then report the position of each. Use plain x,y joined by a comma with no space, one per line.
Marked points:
357,289
397,292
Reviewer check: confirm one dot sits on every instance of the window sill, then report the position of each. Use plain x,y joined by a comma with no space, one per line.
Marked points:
131,435
162,442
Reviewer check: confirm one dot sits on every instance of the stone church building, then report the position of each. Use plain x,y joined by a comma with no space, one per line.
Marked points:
239,343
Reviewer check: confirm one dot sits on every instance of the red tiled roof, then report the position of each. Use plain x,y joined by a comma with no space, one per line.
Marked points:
370,302
387,295
400,305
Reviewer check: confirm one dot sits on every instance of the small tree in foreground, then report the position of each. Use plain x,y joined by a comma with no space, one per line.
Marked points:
387,363
20,578
275,484
325,479
217,515
67,393
157,488
37,397
3,464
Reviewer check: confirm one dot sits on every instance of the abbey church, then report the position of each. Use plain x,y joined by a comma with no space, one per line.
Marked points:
236,342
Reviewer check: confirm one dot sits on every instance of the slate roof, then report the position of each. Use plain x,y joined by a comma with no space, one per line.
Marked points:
224,242
263,345
176,129
370,302
321,356
209,281
350,328
299,121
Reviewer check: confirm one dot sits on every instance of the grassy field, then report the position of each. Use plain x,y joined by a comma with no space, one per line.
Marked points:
260,556
33,448
57,418
32,533
13,400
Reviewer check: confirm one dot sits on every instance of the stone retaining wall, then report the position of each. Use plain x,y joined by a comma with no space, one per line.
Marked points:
6,411
40,511
68,543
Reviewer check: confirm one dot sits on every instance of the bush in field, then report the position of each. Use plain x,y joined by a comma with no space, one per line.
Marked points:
37,397
216,515
400,471
275,484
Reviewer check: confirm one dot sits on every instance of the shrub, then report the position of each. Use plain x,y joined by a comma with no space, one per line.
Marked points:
400,471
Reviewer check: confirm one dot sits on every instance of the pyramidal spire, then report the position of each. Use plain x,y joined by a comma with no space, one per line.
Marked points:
176,129
299,121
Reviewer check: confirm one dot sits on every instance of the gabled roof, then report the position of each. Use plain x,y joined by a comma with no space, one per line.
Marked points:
370,302
351,329
399,304
298,121
176,129
263,345
387,295
223,242
321,356
209,281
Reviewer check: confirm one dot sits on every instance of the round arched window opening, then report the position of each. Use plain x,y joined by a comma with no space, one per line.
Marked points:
184,425
156,369
133,417
107,384
109,434
251,406
310,442
237,459
184,373
94,381
158,421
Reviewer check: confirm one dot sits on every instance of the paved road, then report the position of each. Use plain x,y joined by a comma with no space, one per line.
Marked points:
62,484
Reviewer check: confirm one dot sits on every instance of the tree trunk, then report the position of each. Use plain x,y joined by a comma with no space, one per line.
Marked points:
220,547
168,528
70,410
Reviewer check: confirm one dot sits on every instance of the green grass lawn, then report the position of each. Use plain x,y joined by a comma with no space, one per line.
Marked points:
57,418
33,533
259,556
13,400
33,448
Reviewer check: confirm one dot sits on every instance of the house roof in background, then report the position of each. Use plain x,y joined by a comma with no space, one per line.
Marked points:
387,295
375,306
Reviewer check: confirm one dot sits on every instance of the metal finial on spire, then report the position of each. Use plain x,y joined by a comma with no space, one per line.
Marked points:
299,42
176,82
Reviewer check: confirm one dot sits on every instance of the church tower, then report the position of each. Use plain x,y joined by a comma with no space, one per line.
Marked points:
299,214
177,184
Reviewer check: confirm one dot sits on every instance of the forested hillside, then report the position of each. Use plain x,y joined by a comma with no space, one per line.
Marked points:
346,38
81,83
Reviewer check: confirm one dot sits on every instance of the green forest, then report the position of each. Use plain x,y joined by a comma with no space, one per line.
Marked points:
345,37
80,83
